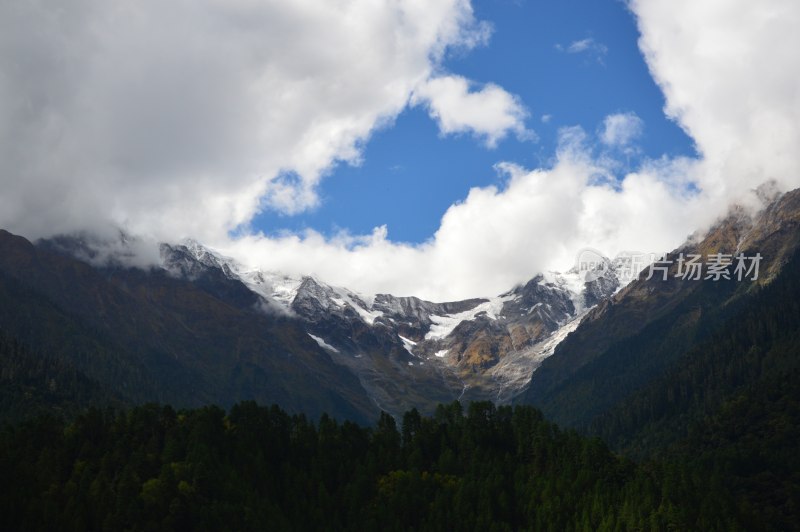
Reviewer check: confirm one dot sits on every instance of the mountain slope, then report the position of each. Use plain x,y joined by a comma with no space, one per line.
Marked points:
730,404
412,353
708,379
32,384
155,336
757,344
201,329
631,339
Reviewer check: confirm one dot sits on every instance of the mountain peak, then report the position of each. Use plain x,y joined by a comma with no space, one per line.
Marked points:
479,348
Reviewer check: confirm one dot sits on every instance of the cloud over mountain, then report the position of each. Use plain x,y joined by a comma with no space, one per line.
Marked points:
729,78
176,118
185,118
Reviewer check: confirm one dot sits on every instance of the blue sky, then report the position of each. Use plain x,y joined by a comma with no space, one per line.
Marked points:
410,173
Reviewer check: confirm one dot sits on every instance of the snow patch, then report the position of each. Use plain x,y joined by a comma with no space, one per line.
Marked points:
572,283
444,325
275,286
408,344
270,285
322,343
441,354
357,303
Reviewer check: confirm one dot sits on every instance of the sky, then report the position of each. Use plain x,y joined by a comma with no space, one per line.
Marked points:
410,173
439,148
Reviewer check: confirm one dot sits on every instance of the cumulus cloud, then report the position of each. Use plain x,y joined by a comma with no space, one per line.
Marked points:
499,235
730,77
185,118
621,129
121,110
488,112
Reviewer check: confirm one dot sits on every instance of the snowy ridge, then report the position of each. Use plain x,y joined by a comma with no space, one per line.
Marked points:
356,301
444,325
405,349
279,287
273,286
386,310
284,289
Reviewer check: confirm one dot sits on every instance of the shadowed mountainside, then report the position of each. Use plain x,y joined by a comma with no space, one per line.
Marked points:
151,336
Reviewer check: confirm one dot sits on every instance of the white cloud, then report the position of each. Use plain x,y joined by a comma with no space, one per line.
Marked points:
620,129
498,236
731,78
174,118
89,106
583,45
588,46
489,112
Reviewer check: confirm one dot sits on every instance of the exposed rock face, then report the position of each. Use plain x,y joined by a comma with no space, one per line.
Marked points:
408,352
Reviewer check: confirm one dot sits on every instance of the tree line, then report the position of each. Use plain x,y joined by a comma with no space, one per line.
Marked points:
258,468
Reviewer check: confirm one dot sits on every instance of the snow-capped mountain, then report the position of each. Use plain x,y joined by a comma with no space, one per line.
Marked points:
204,329
408,352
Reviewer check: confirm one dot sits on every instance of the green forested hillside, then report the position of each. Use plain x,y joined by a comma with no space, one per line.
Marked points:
32,384
573,388
757,347
632,339
732,404
256,468
694,388
706,375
